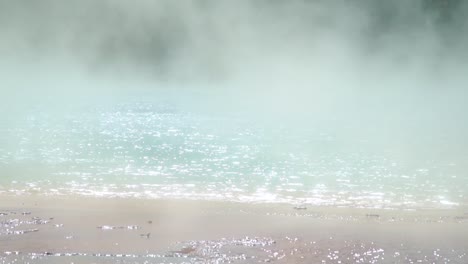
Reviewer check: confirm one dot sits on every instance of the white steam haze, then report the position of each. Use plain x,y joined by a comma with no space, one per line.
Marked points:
398,67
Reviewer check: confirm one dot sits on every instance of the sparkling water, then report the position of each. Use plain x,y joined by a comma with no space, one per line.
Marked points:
155,149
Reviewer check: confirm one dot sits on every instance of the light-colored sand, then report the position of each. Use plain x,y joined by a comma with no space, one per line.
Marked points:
90,226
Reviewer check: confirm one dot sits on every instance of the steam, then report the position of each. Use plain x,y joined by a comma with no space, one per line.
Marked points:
274,56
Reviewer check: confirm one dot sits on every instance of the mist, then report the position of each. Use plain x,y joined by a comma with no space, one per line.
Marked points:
373,61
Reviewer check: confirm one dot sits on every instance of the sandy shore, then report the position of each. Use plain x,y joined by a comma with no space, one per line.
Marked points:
41,229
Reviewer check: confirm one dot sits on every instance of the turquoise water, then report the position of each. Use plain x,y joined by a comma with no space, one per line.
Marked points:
156,149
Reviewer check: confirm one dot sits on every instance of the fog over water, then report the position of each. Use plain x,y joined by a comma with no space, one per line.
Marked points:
383,78
304,48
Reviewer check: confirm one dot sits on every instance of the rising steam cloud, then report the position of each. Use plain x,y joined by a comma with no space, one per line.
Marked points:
307,53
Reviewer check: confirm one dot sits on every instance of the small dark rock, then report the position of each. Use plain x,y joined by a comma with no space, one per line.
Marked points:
185,250
146,235
301,207
373,215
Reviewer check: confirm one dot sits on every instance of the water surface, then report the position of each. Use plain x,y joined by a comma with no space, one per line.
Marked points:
159,149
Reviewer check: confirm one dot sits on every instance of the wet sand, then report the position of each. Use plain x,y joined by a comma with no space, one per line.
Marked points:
41,229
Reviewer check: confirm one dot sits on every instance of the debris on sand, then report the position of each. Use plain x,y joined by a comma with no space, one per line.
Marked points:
22,232
146,235
186,250
108,227
461,218
372,215
300,207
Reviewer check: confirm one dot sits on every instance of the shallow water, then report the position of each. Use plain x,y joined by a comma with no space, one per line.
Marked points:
118,231
161,150
259,250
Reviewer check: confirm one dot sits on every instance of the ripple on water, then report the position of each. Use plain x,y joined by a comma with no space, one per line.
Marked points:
144,150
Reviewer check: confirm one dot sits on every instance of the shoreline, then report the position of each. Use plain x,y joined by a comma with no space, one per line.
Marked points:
299,209
94,227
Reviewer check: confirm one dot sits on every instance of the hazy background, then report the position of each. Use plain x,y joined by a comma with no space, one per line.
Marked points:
395,65
268,46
